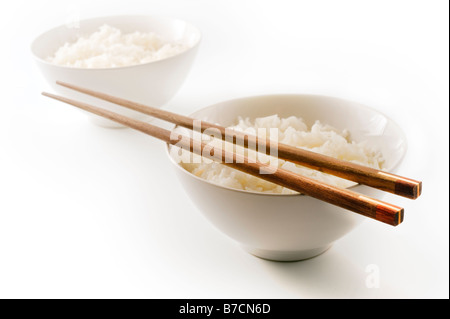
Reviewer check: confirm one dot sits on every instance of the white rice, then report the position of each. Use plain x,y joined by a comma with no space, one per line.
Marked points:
320,138
108,48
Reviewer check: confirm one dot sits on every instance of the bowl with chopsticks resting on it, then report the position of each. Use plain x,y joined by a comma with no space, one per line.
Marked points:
143,58
285,176
275,222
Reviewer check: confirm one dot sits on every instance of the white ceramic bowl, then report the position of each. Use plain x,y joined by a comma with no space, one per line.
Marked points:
153,83
290,227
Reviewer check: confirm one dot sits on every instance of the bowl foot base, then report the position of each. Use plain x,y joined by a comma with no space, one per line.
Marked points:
277,255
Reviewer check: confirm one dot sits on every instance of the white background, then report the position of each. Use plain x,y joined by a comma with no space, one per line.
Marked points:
88,212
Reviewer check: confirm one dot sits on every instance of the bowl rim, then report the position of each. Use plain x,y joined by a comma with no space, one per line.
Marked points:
137,16
178,166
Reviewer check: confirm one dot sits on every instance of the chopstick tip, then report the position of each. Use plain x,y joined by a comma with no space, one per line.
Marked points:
408,188
390,214
419,189
401,216
61,83
53,96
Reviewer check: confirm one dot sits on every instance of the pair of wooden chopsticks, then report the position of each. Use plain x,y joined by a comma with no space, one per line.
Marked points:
344,198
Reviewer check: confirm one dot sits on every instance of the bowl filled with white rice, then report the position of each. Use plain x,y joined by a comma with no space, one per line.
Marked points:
270,221
141,58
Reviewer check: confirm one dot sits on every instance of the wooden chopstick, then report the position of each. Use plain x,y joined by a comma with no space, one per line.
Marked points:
369,207
384,181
